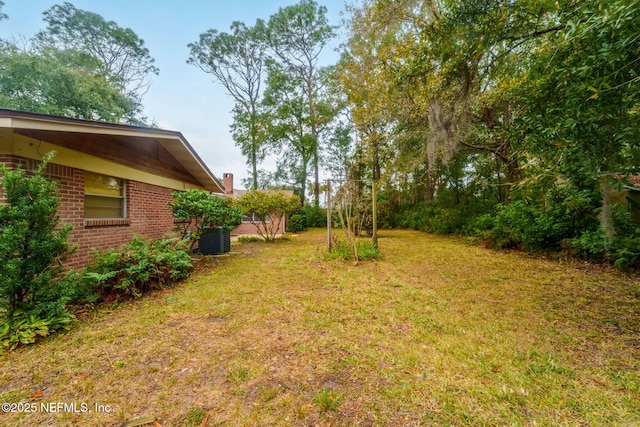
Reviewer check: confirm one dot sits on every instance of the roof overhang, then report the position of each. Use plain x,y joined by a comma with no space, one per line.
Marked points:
59,130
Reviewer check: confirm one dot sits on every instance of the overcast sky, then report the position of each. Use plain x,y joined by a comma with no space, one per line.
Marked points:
182,97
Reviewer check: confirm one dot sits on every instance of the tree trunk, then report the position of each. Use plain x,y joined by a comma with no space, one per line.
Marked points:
316,175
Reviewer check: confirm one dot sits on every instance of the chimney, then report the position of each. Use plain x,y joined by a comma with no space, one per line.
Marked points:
227,183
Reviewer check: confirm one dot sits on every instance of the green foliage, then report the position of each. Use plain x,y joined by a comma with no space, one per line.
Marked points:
80,66
626,252
199,211
316,216
545,226
58,82
307,216
327,400
341,249
138,267
623,251
523,110
297,35
195,417
237,60
428,216
122,58
297,223
267,210
32,246
25,327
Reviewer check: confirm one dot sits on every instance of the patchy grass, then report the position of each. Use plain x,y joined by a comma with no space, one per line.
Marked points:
436,333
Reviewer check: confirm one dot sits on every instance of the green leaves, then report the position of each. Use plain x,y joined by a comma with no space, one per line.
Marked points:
267,210
137,267
199,211
32,247
123,58
238,61
290,109
80,66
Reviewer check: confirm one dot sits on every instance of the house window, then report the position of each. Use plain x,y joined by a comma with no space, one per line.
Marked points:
104,196
254,218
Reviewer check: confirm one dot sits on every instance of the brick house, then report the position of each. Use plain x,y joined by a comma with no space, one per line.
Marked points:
247,228
114,180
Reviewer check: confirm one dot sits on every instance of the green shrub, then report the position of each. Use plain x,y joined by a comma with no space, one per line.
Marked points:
267,210
625,253
427,216
137,267
199,211
297,223
544,225
32,247
480,225
590,246
316,217
340,249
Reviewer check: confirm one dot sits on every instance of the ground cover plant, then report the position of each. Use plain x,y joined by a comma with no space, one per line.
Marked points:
436,333
135,268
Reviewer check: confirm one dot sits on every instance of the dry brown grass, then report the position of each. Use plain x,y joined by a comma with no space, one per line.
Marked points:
437,333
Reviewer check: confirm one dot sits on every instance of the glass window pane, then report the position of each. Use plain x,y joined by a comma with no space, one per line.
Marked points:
102,184
104,196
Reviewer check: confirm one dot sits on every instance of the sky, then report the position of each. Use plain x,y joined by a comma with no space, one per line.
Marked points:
182,97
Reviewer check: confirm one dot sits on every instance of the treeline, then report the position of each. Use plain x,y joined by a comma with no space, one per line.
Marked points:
512,120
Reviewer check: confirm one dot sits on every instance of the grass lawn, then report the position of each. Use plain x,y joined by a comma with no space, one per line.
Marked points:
437,333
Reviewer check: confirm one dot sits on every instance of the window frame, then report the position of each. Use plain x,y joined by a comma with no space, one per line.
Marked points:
122,197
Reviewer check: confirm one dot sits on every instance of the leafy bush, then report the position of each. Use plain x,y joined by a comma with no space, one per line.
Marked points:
479,226
138,267
32,247
544,225
297,223
427,216
267,209
316,217
625,252
199,211
624,246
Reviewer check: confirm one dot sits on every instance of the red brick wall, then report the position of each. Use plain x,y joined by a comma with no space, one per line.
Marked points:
148,212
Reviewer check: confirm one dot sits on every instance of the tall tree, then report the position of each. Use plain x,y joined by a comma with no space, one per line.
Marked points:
289,123
288,127
297,35
65,83
368,76
237,61
124,59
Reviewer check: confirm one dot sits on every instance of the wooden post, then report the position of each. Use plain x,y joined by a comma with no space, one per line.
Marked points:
329,214
374,208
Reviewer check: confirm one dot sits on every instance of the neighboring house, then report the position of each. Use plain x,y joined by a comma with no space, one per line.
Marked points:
114,180
247,227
